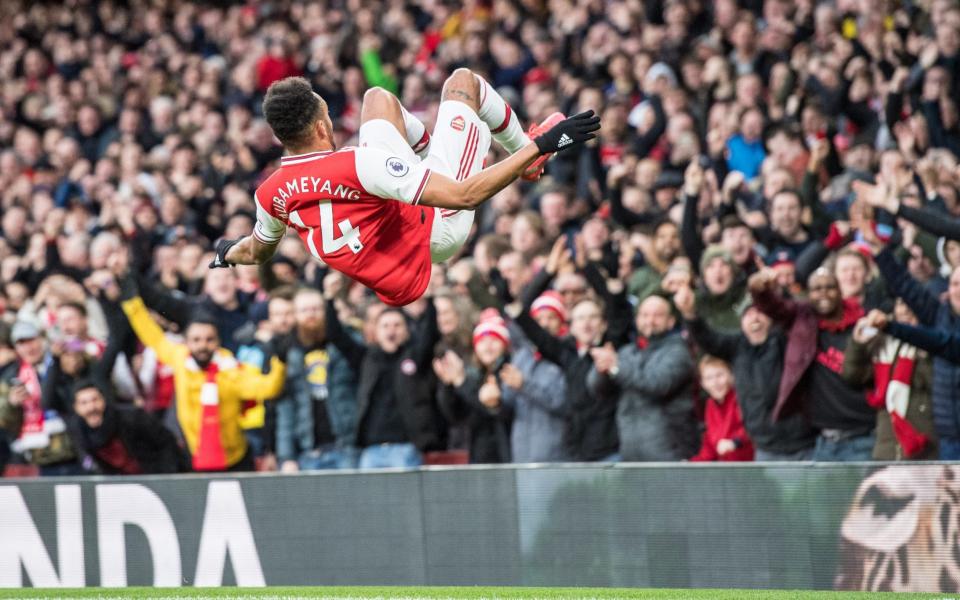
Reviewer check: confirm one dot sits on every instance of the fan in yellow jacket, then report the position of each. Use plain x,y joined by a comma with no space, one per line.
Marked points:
210,387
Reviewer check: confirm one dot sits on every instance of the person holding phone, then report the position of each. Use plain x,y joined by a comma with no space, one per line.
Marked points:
39,434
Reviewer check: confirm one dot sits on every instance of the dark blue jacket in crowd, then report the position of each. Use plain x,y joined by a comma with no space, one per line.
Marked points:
943,344
295,408
931,312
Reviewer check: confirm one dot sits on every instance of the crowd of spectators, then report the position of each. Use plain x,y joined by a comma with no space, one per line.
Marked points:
758,259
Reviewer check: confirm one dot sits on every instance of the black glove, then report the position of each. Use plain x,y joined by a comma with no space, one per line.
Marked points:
220,261
128,287
569,133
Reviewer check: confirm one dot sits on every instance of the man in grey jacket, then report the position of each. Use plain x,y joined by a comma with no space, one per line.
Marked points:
317,413
652,382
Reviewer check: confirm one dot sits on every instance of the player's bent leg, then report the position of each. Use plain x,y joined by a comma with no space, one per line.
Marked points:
451,228
503,123
459,143
473,90
459,146
379,104
463,86
383,135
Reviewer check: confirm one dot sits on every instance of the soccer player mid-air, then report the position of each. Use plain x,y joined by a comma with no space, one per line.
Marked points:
382,212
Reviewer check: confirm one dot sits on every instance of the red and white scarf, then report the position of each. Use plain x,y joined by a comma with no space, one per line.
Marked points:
32,410
893,366
37,427
209,454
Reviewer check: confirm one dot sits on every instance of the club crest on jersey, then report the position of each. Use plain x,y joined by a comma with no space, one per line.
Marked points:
397,167
458,123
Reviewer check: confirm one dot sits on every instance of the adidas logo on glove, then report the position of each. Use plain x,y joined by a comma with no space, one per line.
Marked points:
568,133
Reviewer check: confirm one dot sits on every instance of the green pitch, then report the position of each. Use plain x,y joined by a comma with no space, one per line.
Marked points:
411,593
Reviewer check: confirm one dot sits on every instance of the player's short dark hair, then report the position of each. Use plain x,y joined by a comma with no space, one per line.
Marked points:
291,108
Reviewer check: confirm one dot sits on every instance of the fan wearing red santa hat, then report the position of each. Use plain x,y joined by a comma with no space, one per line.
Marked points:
550,313
471,395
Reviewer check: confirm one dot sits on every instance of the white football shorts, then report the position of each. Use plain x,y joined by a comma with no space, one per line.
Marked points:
458,146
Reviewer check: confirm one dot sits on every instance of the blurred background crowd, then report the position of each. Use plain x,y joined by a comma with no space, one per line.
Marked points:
756,260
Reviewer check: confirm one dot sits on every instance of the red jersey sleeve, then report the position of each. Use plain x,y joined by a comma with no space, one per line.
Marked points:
386,176
271,221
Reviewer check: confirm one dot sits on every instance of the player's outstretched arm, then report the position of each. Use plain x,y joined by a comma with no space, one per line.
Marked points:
245,251
444,192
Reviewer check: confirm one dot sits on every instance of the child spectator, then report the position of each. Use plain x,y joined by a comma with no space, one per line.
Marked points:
725,438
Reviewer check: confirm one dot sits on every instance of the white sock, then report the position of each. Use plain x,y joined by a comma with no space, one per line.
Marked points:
500,118
417,135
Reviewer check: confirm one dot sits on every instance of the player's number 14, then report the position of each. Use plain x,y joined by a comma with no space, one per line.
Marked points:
349,235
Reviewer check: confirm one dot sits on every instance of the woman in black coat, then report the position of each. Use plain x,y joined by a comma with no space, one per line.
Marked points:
471,396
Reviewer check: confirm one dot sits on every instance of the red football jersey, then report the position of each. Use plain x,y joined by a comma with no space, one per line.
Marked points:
356,209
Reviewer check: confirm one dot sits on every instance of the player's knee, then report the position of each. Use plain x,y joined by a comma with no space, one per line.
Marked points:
377,97
463,86
464,79
378,103
462,75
